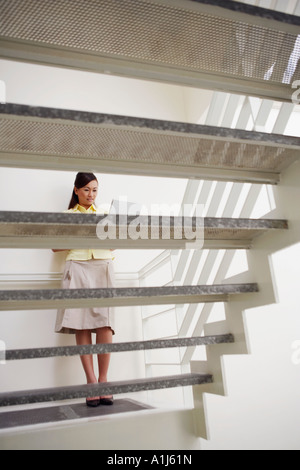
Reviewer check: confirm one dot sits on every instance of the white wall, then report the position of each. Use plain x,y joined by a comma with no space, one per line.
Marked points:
72,89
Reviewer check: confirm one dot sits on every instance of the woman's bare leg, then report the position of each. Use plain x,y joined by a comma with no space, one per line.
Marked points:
84,337
104,336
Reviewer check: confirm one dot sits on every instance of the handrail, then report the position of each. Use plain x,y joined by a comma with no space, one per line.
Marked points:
154,264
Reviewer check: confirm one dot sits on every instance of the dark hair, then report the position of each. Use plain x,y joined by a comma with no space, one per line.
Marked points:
81,180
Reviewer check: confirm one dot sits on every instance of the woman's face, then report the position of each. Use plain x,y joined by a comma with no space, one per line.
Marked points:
87,194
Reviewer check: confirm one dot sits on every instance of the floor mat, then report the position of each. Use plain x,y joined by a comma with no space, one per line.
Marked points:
53,414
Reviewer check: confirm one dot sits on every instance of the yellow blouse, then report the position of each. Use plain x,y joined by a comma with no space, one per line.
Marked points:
85,255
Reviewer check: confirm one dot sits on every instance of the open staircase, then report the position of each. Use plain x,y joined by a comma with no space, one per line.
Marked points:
46,138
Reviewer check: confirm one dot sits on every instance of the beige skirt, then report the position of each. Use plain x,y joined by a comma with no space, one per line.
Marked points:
91,274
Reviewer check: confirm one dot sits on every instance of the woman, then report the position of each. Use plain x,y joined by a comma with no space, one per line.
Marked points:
88,269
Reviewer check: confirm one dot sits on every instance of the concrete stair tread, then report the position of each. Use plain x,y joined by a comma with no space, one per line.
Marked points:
68,231
114,297
61,351
114,388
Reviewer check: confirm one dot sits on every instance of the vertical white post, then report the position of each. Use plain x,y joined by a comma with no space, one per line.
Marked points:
2,92
2,352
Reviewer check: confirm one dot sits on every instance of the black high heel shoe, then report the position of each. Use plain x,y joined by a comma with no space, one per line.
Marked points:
107,401
93,403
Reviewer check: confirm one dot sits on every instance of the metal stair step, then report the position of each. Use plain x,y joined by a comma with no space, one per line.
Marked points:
47,138
37,415
199,43
67,231
37,353
110,388
116,297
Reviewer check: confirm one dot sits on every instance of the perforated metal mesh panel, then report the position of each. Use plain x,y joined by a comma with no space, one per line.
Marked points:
139,145
155,33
